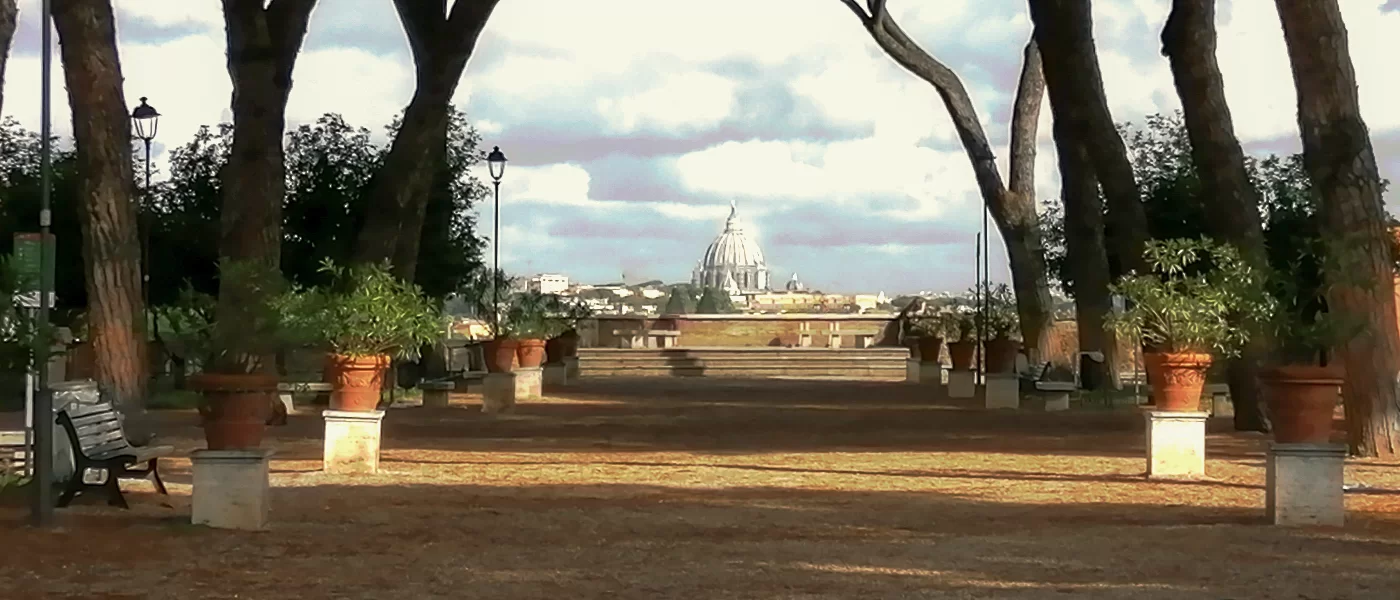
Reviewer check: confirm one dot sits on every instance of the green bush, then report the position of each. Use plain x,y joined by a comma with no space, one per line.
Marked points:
366,311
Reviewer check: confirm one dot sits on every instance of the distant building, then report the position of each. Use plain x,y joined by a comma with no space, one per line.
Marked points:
549,284
733,258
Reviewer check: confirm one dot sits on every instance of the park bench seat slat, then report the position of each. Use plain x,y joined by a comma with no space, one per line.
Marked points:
99,444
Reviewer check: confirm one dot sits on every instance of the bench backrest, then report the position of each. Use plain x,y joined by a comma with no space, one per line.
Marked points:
93,429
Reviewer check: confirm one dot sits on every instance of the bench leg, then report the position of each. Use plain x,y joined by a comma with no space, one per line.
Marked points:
114,490
154,468
71,489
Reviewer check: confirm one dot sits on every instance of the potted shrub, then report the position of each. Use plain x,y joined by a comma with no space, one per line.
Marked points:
1182,312
365,317
20,335
927,332
532,318
1301,383
499,351
232,347
565,344
963,347
1003,325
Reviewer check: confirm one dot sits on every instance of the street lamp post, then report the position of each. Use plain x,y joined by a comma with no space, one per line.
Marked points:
145,120
496,161
43,419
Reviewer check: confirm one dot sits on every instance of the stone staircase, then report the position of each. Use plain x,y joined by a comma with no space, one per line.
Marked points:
882,363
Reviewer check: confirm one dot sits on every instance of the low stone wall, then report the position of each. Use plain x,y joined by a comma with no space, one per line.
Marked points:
865,363
747,331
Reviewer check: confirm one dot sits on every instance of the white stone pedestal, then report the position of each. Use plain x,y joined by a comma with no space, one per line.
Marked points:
352,441
571,368
962,384
555,376
1176,444
1003,390
911,370
924,373
1055,393
1303,484
437,394
1222,406
231,490
502,390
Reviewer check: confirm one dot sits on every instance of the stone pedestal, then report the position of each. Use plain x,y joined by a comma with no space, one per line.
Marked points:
437,394
1176,444
555,376
231,490
1303,484
962,384
1222,406
571,368
502,390
1055,393
1003,390
352,441
911,370
925,373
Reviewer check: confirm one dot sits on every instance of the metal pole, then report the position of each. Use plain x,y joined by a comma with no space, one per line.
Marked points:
977,281
146,242
43,405
496,264
986,276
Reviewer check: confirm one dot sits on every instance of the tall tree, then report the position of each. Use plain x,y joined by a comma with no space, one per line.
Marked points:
441,43
106,190
1013,209
9,19
1085,251
263,44
1232,203
1064,29
1338,156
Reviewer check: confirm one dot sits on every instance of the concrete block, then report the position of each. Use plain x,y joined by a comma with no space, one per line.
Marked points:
1303,484
962,384
529,384
1055,393
1002,390
911,371
437,394
931,373
498,393
231,489
555,376
1222,406
1176,444
352,441
571,368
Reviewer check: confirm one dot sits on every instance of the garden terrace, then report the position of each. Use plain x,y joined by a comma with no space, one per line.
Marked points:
676,488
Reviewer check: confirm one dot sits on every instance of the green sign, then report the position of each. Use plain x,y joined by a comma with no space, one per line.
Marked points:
26,262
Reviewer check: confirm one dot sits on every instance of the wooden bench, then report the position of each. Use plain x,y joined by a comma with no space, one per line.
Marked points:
286,390
99,444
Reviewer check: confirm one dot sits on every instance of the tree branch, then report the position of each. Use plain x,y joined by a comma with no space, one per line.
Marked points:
865,19
1025,116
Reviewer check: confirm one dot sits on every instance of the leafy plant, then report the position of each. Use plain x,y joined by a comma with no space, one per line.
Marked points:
366,311
255,324
537,316
930,326
1002,320
20,333
1192,300
963,323
1296,315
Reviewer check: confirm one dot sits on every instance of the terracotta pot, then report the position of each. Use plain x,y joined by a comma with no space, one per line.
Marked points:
554,351
235,408
1177,379
356,381
1001,355
569,342
960,353
929,349
1301,400
530,353
500,355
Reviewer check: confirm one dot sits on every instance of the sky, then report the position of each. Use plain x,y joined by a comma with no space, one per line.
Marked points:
630,125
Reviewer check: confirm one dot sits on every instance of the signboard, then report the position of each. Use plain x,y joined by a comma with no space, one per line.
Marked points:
26,262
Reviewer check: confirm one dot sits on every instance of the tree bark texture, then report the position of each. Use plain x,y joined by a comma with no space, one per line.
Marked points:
9,19
1189,42
1339,159
1064,30
108,214
1084,245
441,43
263,44
1013,210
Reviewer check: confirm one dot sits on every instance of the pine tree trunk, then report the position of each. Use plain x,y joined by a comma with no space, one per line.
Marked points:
1084,247
108,215
263,44
1012,210
1342,165
1064,29
442,43
9,17
1230,200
